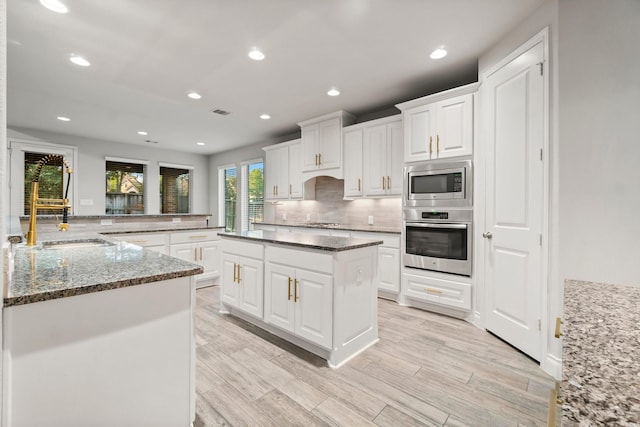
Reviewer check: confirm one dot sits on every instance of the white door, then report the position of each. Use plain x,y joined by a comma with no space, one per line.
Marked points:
278,296
514,204
330,144
210,257
296,184
250,279
395,162
230,289
184,251
455,127
419,129
313,294
353,162
375,160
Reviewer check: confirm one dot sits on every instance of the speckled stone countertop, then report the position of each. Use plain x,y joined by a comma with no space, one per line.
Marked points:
601,362
158,229
44,272
331,226
309,241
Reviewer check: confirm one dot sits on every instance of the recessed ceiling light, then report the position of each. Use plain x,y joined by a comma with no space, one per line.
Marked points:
333,92
79,60
55,5
199,143
265,116
194,95
256,55
438,53
142,132
63,119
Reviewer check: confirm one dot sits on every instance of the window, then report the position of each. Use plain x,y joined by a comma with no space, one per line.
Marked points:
227,195
252,194
50,181
124,187
174,189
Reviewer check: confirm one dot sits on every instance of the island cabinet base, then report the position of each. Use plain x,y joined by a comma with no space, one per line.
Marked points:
122,357
324,302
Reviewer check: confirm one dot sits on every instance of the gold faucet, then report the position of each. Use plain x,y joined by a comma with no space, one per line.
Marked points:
38,203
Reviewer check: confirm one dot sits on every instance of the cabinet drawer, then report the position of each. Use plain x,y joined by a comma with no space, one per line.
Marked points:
143,239
389,240
194,236
243,248
315,261
439,291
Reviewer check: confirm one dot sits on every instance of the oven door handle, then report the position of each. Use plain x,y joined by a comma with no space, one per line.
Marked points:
436,225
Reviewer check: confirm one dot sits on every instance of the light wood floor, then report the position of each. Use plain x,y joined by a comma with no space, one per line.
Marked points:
427,369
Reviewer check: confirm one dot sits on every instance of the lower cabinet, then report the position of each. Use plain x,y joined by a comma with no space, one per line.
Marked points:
154,241
199,247
242,277
388,260
299,301
430,288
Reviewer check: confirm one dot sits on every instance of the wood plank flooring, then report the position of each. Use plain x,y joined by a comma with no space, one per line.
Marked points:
427,370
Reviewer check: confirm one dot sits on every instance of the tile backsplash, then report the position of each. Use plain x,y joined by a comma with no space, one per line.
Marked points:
329,206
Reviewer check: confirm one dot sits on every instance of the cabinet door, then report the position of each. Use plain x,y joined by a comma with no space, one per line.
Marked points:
439,291
454,136
389,269
310,135
278,296
395,162
419,133
375,164
330,143
353,160
185,251
210,258
230,288
313,307
277,173
250,279
296,184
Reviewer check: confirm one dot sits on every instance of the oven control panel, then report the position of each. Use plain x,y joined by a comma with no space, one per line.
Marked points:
435,215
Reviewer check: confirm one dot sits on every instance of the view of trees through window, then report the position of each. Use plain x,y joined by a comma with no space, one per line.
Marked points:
50,181
230,197
254,201
125,188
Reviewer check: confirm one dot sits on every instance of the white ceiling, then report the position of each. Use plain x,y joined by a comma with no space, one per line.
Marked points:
146,55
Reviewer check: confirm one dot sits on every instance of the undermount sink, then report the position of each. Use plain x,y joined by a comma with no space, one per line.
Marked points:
72,244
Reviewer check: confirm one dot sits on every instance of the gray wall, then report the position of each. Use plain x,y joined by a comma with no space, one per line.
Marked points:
599,148
91,169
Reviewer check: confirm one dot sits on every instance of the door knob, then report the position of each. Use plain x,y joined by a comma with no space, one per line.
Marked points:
487,235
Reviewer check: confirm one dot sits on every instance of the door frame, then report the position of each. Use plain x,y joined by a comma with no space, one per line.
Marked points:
549,363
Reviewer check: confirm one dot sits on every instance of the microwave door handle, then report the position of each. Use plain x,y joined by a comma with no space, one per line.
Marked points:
434,225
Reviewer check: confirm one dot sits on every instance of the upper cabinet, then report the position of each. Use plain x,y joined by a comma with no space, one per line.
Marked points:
373,158
322,144
439,126
283,172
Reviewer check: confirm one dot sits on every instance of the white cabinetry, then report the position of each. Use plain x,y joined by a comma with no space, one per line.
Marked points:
373,158
440,125
437,288
283,172
201,247
242,276
154,241
299,301
388,261
322,144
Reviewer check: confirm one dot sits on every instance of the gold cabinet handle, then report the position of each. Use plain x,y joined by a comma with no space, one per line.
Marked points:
388,183
238,273
198,237
383,182
359,184
289,289
433,291
195,254
200,254
430,145
295,290
137,241
234,272
316,159
558,334
290,189
319,159
438,144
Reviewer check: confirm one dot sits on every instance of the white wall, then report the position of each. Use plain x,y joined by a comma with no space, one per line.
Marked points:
3,157
91,169
599,141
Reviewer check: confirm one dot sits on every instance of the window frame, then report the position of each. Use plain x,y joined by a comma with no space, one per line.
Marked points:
17,148
145,167
244,191
222,193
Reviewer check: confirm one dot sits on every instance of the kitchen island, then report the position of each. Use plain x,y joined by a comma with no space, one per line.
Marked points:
317,292
100,333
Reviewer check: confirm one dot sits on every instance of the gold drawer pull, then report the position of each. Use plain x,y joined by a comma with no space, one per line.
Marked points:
433,291
438,143
430,145
289,289
198,237
359,184
558,334
238,273
234,272
137,241
295,290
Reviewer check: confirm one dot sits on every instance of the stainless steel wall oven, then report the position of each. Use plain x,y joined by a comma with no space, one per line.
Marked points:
438,240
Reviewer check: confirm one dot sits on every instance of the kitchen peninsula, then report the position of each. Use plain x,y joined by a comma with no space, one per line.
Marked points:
317,292
98,332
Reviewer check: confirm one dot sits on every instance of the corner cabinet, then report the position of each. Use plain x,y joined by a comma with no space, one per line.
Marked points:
322,144
242,276
283,172
439,126
373,158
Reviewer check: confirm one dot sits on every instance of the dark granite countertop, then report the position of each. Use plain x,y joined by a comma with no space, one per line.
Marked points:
310,241
601,366
44,272
332,226
157,229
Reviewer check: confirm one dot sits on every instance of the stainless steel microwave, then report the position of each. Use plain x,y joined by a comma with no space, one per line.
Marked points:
435,184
